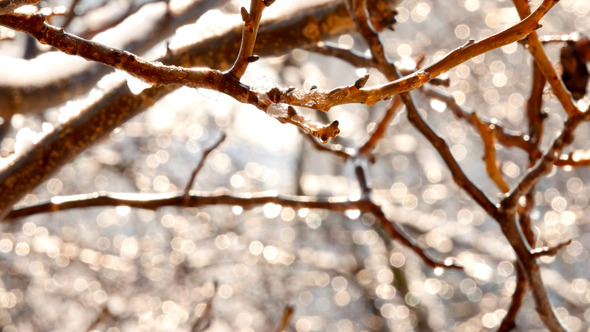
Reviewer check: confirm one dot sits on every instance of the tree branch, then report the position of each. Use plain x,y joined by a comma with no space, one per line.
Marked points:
120,104
542,61
211,79
36,98
156,201
206,153
325,99
251,22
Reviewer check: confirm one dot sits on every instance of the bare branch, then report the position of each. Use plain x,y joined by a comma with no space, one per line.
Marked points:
251,22
544,64
543,166
336,149
156,201
509,321
459,176
206,318
325,99
530,269
211,79
379,132
487,135
504,136
206,153
550,251
287,315
120,104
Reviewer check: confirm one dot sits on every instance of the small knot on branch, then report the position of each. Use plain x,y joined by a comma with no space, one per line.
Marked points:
267,3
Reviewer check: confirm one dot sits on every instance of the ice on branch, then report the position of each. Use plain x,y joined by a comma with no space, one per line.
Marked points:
284,113
262,85
135,85
277,110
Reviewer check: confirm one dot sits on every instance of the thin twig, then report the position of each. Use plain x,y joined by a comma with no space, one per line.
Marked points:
535,115
541,59
206,153
543,166
550,251
335,149
204,321
488,138
531,270
379,132
397,234
71,14
444,151
251,21
360,60
286,318
504,136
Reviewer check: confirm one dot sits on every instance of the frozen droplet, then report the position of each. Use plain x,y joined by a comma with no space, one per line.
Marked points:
277,110
423,75
262,84
135,84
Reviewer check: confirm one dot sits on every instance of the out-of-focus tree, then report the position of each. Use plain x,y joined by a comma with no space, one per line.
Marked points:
283,166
